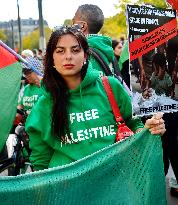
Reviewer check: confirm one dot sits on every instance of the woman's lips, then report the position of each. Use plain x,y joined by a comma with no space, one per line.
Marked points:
69,65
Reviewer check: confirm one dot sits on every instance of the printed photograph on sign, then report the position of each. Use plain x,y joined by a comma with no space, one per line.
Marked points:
153,53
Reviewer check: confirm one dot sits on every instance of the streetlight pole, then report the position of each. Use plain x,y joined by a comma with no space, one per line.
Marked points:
12,29
19,28
42,42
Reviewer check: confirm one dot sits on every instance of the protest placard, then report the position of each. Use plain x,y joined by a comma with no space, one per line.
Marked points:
153,51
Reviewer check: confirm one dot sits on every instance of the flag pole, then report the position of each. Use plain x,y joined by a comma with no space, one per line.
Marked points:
19,58
19,27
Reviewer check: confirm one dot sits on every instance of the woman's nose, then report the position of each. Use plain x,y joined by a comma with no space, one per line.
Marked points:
68,55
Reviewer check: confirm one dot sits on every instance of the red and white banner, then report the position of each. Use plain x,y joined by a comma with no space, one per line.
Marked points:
153,39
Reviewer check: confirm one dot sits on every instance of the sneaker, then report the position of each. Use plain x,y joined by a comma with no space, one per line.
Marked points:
174,192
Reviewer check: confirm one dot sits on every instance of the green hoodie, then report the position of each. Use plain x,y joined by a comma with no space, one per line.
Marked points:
30,96
91,123
103,44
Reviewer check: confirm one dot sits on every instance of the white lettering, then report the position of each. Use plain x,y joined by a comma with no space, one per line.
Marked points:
80,135
90,133
94,113
72,137
143,10
72,117
88,115
142,20
106,131
80,117
95,131
86,134
112,131
101,133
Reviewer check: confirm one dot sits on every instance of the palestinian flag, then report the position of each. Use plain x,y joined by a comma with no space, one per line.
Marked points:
10,78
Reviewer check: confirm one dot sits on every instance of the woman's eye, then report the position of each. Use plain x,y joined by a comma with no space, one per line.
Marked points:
58,50
76,50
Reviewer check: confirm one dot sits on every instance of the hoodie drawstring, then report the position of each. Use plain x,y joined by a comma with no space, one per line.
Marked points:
81,99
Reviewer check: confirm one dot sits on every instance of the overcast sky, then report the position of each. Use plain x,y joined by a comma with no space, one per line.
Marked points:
54,11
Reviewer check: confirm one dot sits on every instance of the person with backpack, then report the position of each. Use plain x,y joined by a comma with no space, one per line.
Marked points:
91,19
73,118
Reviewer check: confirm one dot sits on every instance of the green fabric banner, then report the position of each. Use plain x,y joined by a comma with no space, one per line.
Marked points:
10,78
127,173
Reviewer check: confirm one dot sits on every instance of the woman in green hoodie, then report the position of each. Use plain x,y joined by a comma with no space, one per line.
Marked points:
73,118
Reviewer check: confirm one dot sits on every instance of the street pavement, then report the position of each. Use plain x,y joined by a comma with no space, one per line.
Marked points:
171,200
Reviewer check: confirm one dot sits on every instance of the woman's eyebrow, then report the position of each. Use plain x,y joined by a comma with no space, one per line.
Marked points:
59,47
75,46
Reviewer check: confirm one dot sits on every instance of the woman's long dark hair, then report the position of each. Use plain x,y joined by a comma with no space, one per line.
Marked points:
55,84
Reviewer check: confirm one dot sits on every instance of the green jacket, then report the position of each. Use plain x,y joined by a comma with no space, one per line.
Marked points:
91,123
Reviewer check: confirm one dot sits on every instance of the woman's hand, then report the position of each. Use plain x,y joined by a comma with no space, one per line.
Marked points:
156,124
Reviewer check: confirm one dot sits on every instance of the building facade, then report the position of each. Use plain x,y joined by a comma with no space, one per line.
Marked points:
11,29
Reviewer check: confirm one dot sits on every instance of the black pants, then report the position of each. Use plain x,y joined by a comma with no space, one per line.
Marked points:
126,73
170,143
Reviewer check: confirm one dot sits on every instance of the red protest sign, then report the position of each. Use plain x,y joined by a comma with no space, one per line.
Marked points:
174,4
153,39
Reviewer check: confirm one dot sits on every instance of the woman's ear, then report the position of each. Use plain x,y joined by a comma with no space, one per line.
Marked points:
85,57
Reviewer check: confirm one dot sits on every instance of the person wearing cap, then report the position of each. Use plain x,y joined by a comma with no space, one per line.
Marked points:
32,90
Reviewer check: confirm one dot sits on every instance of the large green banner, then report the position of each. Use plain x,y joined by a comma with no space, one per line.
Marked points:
127,173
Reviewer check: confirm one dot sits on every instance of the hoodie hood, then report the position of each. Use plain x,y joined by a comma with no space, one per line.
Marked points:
103,44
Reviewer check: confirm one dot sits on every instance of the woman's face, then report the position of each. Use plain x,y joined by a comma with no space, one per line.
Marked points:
118,49
68,56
